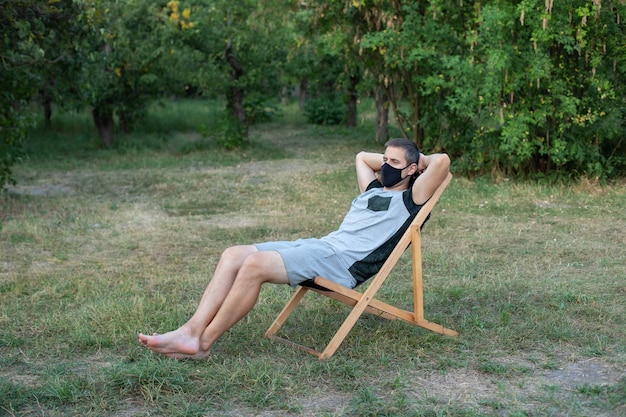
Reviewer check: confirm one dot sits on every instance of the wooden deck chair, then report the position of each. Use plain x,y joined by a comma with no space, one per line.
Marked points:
365,301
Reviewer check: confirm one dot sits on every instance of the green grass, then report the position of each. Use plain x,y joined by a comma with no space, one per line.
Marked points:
96,246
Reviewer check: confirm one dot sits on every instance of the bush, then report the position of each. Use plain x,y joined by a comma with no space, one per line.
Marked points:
324,111
230,133
258,110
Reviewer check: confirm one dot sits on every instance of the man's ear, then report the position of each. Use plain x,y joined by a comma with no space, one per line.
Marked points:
413,169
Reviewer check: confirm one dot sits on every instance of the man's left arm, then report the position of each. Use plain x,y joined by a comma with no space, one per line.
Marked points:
433,170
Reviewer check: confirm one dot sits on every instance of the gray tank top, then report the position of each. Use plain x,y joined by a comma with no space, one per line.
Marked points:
372,228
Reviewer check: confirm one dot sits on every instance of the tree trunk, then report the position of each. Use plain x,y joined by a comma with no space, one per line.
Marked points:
103,119
382,114
127,119
125,123
235,95
103,115
351,111
234,98
46,102
302,93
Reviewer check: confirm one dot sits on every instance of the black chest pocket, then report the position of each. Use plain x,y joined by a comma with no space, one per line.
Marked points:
378,203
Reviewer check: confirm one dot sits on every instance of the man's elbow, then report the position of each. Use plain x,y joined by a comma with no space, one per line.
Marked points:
443,161
360,156
446,160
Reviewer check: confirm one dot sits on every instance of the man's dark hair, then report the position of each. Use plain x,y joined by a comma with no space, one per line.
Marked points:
411,151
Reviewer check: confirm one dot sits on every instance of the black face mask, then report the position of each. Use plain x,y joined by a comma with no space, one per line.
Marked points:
390,176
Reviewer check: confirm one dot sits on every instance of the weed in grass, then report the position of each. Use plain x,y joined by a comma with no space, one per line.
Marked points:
608,397
14,397
366,403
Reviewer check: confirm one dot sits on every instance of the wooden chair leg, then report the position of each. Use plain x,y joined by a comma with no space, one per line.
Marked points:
418,290
286,312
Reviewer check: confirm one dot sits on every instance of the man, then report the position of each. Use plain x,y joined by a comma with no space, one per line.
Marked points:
350,255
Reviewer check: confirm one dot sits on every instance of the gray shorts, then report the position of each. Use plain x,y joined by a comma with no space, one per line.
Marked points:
307,258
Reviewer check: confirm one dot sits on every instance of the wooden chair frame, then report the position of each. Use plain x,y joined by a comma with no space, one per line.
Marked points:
365,301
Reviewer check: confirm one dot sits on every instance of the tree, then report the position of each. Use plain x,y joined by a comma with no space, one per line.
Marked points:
242,45
27,29
522,88
551,90
335,74
125,60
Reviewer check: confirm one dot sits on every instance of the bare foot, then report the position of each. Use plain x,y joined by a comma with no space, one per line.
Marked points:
178,341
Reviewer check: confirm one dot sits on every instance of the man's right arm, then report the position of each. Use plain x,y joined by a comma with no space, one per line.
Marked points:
367,165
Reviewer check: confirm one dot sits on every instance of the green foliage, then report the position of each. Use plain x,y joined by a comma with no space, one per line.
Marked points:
242,48
324,111
259,109
126,62
230,133
528,88
13,124
24,27
521,88
543,97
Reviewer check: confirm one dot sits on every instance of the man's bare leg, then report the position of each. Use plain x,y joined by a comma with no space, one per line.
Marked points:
185,339
258,269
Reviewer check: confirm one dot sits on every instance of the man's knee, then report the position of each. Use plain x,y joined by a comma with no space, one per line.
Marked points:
263,267
255,262
237,254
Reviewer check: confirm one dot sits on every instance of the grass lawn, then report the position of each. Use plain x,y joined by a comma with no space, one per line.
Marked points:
96,246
